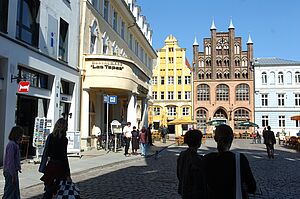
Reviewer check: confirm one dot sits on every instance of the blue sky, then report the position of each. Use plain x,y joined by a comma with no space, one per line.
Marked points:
274,25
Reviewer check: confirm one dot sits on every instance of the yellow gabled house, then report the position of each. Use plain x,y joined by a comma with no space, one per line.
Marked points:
171,89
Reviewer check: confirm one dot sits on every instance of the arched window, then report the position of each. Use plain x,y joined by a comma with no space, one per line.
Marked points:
289,77
264,78
222,92
201,63
201,118
297,77
236,48
201,75
242,92
203,92
244,62
105,43
93,39
239,116
272,77
280,78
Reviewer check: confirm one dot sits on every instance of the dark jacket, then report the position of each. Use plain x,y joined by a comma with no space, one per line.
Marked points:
269,137
190,175
220,175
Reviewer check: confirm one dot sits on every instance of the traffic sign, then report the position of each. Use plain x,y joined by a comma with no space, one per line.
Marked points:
24,86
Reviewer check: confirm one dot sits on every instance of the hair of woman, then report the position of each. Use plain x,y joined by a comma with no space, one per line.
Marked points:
16,133
193,138
224,137
60,128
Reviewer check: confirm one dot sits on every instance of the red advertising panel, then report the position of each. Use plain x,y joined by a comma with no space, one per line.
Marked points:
24,86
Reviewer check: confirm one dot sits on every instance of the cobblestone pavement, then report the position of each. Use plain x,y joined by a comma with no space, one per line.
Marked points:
156,177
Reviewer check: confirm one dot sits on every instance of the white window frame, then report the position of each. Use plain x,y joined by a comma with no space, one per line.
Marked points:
154,80
185,111
154,95
187,80
281,120
264,99
281,99
171,110
187,95
297,99
170,95
170,79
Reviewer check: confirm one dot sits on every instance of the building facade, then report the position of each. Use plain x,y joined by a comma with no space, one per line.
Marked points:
277,94
116,58
171,87
39,44
223,80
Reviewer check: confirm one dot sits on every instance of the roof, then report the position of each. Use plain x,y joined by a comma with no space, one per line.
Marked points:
274,61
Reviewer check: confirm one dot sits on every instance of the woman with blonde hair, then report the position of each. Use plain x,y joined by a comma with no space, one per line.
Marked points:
55,151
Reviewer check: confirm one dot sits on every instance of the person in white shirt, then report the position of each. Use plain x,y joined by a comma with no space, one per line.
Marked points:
127,137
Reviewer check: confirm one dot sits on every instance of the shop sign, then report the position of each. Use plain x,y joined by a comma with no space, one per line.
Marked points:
24,86
109,65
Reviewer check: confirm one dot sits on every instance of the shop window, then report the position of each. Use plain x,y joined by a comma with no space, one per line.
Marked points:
27,17
3,15
36,79
63,40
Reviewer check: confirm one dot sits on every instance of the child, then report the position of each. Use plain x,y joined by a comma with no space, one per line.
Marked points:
12,163
190,167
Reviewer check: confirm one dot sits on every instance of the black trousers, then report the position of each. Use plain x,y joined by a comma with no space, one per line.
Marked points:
270,150
127,143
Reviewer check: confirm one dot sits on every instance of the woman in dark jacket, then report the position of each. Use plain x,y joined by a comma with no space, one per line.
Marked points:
57,168
220,168
135,140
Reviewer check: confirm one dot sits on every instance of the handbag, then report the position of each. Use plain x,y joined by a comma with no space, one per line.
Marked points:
67,190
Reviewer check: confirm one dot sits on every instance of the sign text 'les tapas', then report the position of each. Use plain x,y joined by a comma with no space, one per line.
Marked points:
110,65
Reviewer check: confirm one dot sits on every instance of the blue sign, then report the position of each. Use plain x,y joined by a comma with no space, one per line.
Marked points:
113,99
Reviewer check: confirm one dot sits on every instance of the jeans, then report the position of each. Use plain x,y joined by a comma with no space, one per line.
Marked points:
127,143
11,190
144,148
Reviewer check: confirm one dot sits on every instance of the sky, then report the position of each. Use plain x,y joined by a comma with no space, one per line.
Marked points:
274,25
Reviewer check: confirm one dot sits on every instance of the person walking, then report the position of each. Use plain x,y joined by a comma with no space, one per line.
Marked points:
12,164
227,174
143,141
135,140
269,141
164,133
127,137
190,168
150,135
57,168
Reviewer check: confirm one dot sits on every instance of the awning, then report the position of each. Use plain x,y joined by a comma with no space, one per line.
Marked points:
295,117
182,120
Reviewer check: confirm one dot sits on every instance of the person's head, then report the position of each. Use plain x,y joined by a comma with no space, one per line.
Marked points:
134,127
193,138
16,134
150,126
223,137
60,128
269,128
129,124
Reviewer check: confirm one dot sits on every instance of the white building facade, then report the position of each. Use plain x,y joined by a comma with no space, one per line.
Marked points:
38,43
277,94
116,58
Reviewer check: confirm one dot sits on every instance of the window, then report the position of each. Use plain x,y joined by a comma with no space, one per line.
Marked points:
179,95
187,80
171,80
264,99
154,80
179,79
187,95
36,79
297,123
203,92
94,35
154,95
280,99
27,17
130,41
171,60
264,78
162,80
66,87
265,120
288,78
272,78
123,30
156,111
222,92
281,121
95,4
115,21
3,15
297,77
239,116
162,95
171,49
170,95
297,99
242,92
185,111
63,40
280,78
105,9
201,117
171,110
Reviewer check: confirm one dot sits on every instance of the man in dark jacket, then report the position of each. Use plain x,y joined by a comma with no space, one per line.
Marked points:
269,141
